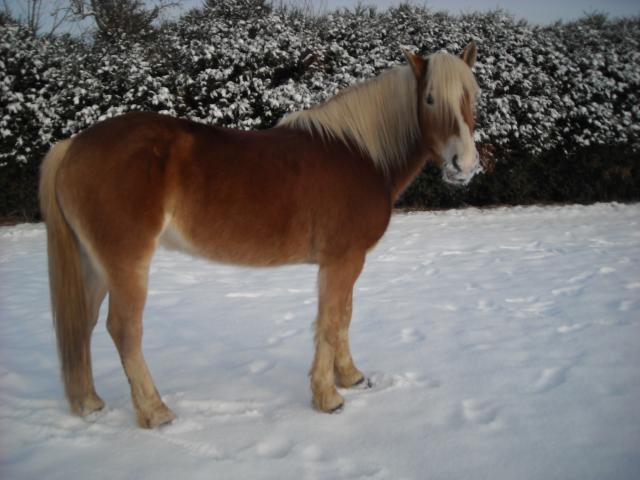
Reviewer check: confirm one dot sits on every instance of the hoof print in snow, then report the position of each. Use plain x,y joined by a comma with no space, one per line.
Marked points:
549,379
478,412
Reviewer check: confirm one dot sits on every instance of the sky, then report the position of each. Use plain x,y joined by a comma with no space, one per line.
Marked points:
535,11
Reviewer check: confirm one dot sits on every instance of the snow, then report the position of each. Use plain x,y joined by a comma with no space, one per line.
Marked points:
501,343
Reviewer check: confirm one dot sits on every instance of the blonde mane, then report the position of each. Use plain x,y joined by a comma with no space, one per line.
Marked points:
380,116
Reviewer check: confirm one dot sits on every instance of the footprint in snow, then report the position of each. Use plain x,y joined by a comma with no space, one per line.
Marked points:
581,277
447,307
313,453
530,299
534,308
570,328
279,337
276,447
258,367
186,279
411,335
485,305
161,299
287,317
571,291
627,305
182,425
549,379
430,272
401,279
381,382
479,412
193,448
213,409
449,253
244,295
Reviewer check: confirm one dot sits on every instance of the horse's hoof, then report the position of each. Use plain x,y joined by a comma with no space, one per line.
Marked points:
156,418
363,383
92,403
329,402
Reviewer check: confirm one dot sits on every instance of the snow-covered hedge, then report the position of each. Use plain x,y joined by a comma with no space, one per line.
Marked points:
547,93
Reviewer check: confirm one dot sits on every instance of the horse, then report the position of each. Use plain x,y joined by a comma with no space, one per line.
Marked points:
317,188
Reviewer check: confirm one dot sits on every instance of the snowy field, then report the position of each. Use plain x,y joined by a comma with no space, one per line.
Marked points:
502,344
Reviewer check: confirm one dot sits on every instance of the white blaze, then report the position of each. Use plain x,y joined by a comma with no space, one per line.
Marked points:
459,155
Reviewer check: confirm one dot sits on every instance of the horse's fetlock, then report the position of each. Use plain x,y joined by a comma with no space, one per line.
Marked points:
348,377
327,400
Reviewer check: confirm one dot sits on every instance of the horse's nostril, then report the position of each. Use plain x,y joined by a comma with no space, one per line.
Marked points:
454,162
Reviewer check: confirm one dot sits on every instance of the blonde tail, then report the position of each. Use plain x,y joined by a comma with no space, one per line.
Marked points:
69,298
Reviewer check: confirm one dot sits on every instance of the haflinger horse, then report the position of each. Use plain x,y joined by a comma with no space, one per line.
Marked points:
317,188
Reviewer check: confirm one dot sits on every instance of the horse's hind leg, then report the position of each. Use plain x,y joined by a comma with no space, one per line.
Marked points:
335,285
86,400
127,294
346,373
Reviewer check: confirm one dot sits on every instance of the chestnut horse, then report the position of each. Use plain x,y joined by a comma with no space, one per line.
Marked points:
318,188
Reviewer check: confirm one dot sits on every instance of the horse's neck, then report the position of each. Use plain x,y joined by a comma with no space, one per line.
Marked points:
402,176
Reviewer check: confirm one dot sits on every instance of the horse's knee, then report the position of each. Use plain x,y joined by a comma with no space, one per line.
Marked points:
327,332
114,327
126,333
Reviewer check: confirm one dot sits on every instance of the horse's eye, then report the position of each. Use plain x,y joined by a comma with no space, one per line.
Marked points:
429,99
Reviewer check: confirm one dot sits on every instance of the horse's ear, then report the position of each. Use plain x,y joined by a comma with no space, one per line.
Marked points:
418,64
469,54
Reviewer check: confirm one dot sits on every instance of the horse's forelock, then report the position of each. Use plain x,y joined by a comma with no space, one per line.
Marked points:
450,82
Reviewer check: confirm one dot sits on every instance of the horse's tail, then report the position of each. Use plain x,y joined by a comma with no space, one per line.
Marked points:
69,300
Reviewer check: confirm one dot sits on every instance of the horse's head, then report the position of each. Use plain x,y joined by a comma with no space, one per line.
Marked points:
446,107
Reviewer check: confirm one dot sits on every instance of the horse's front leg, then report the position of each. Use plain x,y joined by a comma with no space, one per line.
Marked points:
335,284
346,373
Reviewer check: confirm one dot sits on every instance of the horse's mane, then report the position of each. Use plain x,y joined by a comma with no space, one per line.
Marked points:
380,117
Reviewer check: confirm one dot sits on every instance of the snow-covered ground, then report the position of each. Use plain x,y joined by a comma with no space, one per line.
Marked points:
502,344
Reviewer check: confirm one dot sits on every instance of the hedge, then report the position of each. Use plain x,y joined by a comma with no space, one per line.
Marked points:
559,104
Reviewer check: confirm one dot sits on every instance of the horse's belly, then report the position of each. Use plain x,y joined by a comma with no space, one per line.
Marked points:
227,246
172,239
